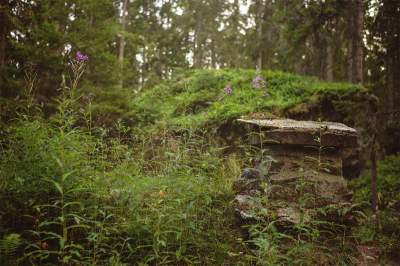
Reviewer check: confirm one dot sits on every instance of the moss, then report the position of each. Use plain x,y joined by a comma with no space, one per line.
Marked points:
196,98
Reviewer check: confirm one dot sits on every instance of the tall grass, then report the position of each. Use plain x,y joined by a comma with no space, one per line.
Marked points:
77,197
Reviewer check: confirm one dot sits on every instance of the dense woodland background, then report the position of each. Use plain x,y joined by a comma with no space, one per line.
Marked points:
136,44
114,160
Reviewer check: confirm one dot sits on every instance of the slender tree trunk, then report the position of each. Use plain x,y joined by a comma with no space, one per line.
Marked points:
317,56
359,46
350,61
268,32
213,55
235,59
3,42
3,32
356,46
389,91
121,52
259,27
350,40
143,68
198,42
329,60
374,190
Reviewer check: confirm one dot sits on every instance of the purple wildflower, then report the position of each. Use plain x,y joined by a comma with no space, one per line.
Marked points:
228,90
81,57
258,82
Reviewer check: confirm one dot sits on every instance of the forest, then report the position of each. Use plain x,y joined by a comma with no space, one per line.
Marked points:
199,132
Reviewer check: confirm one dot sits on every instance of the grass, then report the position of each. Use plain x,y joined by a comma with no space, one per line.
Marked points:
196,98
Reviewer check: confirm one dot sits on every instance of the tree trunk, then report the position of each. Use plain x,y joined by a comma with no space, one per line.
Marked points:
3,42
374,190
359,45
198,42
329,61
143,68
259,27
350,61
213,54
356,49
389,91
121,52
317,56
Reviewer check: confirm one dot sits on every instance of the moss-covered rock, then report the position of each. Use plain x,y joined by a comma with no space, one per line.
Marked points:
195,99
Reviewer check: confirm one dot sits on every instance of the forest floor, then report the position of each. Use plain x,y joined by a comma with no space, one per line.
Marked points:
153,186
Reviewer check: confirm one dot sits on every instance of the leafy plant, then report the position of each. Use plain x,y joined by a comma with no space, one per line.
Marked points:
9,246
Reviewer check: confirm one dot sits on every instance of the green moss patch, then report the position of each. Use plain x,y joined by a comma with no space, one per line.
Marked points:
195,98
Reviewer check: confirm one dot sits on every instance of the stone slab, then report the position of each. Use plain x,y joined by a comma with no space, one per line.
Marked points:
293,132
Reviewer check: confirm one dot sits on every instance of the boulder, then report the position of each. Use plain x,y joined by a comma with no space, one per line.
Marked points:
304,169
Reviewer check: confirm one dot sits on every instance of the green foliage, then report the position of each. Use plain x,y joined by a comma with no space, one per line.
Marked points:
9,245
77,198
384,228
195,98
388,183
312,242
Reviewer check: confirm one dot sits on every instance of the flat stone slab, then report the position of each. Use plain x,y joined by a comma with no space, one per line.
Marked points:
288,131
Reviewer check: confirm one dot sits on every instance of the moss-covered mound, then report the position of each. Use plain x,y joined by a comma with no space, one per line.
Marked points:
193,99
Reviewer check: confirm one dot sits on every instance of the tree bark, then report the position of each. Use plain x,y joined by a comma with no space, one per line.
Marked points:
359,45
213,54
356,49
374,190
259,27
121,53
329,61
198,41
390,91
3,41
143,68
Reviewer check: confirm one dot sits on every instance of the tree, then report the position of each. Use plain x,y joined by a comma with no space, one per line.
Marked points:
4,10
384,54
121,52
356,46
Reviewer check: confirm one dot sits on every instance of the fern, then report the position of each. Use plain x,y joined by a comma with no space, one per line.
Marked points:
9,245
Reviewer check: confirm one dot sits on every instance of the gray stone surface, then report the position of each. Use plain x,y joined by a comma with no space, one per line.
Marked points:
292,132
300,177
295,125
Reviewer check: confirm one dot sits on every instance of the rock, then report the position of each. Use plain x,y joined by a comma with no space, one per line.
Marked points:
288,131
250,173
250,179
302,172
245,205
246,186
288,216
339,138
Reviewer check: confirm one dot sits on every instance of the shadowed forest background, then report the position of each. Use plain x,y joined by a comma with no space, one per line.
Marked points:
134,45
115,115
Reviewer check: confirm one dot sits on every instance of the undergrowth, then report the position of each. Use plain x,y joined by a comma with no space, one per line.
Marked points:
138,193
72,195
383,229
